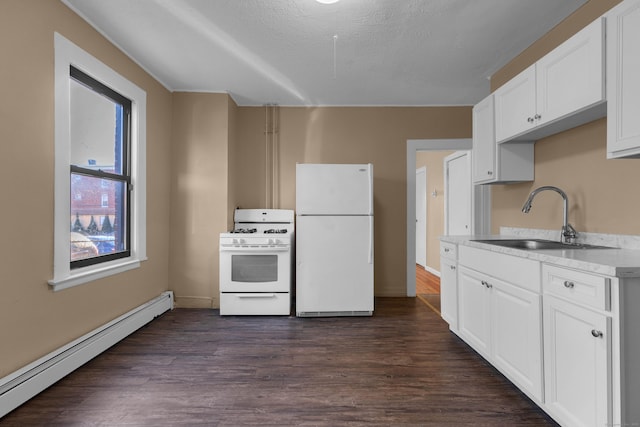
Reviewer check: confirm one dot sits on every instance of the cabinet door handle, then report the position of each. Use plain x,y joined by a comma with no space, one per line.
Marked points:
537,117
453,267
530,119
489,172
596,334
486,284
446,249
568,284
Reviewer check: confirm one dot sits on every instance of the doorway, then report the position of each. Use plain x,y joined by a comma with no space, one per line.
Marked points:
480,208
430,220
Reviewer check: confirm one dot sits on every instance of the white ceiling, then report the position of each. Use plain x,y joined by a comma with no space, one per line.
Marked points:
387,52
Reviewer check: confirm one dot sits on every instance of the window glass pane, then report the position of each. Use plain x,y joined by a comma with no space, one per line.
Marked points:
97,213
96,130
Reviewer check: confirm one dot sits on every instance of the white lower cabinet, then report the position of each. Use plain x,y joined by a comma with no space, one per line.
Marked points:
568,338
474,314
517,337
577,343
503,322
449,292
449,284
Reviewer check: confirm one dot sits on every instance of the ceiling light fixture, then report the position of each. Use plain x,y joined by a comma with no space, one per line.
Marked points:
327,1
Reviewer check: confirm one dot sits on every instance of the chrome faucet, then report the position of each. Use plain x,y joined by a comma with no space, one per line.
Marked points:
568,232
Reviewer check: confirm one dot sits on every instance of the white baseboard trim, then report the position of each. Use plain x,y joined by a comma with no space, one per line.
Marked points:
21,385
432,271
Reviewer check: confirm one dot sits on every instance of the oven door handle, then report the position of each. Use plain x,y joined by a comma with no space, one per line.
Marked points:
254,249
260,295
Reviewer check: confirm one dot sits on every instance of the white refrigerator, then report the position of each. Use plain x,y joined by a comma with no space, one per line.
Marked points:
334,240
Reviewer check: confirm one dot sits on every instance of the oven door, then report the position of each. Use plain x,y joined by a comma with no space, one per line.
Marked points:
255,269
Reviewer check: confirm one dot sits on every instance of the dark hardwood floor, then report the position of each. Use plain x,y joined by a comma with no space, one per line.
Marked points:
400,367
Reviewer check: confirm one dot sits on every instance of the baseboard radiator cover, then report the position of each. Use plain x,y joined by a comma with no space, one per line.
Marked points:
21,385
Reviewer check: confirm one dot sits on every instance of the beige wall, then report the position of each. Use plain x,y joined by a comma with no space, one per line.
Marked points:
33,319
348,135
200,196
434,162
601,193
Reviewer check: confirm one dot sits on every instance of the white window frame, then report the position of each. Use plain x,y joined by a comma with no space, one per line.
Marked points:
67,54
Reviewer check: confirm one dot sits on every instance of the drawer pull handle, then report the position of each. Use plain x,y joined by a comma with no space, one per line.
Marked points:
256,295
596,334
453,267
568,284
488,285
446,249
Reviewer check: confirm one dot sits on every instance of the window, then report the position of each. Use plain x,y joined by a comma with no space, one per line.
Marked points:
99,169
99,140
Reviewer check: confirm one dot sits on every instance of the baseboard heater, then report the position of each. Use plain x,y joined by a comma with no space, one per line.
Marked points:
21,385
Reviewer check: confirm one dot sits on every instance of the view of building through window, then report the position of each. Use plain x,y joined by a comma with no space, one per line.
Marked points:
94,217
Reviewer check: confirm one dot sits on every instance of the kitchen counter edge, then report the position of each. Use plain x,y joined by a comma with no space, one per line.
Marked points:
614,262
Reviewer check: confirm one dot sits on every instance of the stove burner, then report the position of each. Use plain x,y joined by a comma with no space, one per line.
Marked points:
275,231
244,231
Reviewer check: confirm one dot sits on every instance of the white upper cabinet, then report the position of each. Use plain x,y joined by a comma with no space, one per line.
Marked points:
623,80
516,105
484,141
497,163
571,77
564,89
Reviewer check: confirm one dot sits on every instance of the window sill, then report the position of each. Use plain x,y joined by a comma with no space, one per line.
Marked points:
89,274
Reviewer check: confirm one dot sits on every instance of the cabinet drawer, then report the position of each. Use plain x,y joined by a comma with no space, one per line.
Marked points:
522,272
448,250
258,303
577,286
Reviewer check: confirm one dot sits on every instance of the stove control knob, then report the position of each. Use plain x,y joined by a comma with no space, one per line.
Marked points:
235,241
241,241
271,242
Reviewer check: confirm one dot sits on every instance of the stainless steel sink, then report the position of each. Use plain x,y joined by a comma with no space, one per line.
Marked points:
538,244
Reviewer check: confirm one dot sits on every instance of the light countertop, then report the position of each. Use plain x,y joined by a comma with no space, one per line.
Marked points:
623,261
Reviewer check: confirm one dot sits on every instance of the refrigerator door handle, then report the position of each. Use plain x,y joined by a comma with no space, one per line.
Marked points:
370,189
371,240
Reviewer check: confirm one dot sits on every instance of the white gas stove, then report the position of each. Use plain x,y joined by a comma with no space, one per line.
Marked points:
256,263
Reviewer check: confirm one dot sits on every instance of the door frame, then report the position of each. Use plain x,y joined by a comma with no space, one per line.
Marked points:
422,170
482,216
